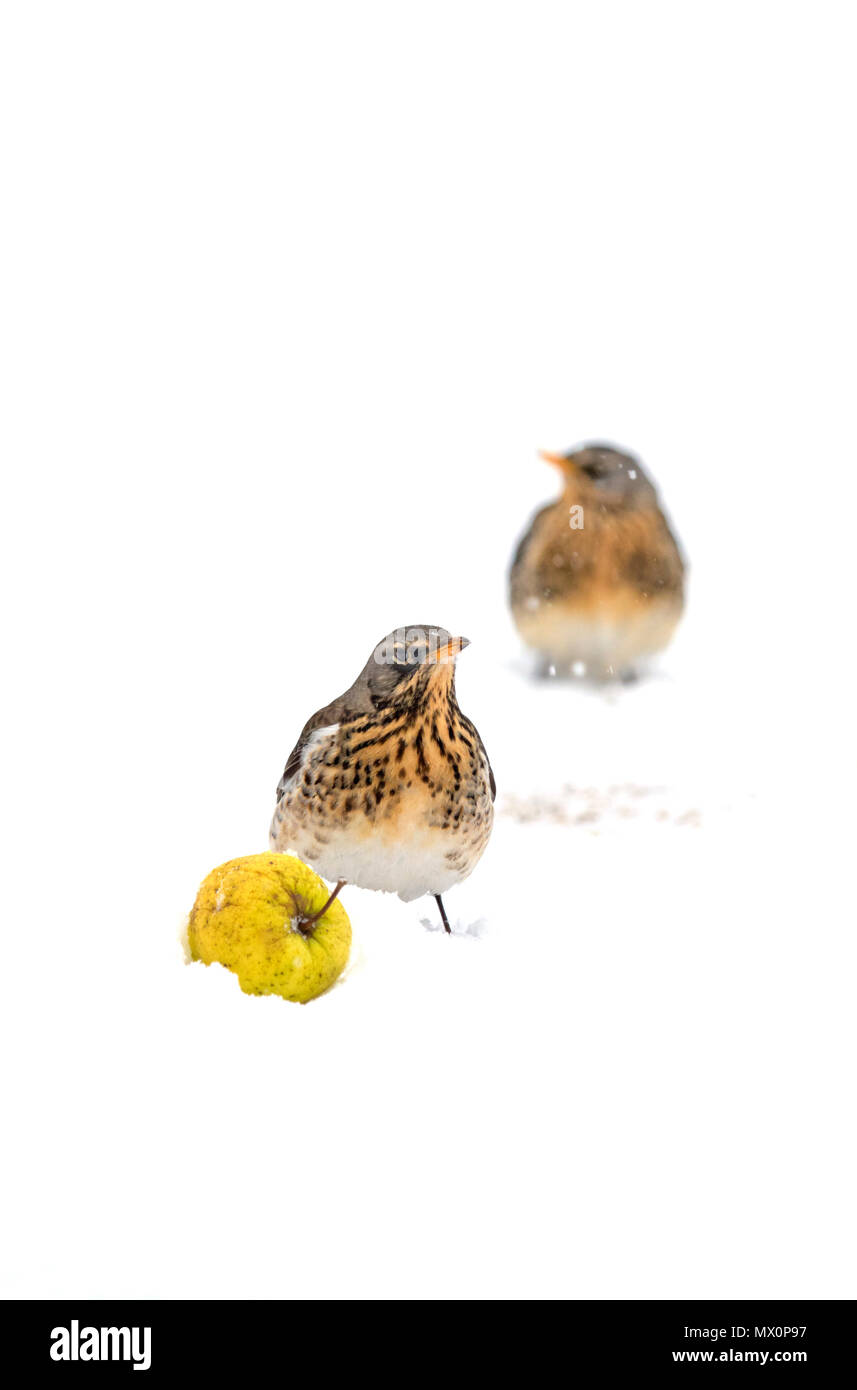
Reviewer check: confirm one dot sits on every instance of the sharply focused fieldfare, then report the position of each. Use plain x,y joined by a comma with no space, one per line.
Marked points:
389,786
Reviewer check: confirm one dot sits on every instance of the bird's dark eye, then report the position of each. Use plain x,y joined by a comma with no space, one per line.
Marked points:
417,653
596,470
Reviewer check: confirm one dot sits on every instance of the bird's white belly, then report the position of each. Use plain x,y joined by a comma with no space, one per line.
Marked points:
603,642
381,862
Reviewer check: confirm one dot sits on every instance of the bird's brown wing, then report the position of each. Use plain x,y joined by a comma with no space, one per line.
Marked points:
491,780
295,758
517,570
354,701
649,558
471,728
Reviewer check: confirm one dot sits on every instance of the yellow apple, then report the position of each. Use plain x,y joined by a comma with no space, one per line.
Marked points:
250,916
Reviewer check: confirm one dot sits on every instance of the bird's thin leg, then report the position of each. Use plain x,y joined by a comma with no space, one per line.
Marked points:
439,900
310,921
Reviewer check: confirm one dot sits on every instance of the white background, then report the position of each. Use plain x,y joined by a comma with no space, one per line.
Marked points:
291,294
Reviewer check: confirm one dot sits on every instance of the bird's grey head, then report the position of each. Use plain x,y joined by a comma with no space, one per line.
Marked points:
415,653
613,475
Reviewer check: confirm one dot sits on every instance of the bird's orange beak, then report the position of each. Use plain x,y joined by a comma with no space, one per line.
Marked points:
558,460
451,650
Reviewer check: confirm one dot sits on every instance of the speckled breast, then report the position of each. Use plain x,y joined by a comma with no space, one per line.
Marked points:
398,804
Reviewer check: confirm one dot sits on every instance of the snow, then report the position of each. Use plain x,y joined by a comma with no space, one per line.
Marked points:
634,1042
277,387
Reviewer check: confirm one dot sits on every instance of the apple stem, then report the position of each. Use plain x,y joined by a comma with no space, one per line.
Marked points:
306,924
